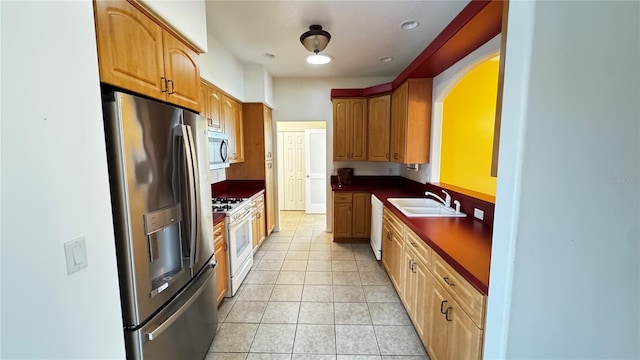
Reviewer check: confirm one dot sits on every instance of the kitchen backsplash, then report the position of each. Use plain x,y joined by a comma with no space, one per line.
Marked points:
422,175
216,176
368,168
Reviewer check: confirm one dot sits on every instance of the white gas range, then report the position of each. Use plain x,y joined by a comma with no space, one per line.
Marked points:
238,225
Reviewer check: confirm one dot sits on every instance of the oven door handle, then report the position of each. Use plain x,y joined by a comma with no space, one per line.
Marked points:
240,221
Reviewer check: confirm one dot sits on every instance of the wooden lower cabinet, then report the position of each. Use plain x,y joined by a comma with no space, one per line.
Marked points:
392,254
342,220
220,253
432,293
351,215
437,335
258,223
451,334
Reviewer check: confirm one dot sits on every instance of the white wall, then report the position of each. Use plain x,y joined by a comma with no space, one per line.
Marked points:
442,85
257,84
186,17
222,69
309,99
565,276
54,188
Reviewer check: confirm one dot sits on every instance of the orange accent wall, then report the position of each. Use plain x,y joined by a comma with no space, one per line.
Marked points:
469,113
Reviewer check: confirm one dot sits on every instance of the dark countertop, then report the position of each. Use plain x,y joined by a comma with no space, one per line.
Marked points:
218,218
464,243
235,189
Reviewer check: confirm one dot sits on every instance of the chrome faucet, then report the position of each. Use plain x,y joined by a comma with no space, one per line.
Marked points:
447,200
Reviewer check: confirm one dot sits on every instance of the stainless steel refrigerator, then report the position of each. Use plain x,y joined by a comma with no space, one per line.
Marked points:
158,170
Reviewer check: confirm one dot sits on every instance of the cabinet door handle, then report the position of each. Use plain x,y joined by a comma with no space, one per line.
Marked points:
389,235
446,313
414,244
172,87
386,155
411,264
225,246
413,267
442,310
446,279
164,84
269,154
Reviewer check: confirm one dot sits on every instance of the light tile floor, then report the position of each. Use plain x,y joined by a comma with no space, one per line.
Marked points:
309,298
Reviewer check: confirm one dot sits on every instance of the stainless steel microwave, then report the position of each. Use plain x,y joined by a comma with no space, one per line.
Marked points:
218,150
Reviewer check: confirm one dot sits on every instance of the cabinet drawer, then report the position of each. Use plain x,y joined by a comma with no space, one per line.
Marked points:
342,197
394,222
218,233
470,300
421,249
258,202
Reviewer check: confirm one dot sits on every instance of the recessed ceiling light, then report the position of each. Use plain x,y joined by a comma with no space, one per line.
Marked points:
269,55
409,24
386,59
318,59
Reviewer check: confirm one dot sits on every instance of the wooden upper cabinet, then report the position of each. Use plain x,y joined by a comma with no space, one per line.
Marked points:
228,116
215,103
350,129
130,51
237,152
359,129
135,53
411,122
379,127
182,72
341,113
210,105
203,102
231,114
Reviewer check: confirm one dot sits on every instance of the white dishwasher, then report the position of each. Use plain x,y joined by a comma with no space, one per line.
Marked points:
376,226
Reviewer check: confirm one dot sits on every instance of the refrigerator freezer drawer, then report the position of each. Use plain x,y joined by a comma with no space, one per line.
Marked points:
184,329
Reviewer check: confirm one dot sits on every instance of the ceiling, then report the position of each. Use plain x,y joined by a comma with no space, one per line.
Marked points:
361,33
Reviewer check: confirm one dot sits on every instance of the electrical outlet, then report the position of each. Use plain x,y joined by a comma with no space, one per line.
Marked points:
478,214
390,171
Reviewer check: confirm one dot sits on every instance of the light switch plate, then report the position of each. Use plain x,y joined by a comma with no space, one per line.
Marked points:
75,252
478,214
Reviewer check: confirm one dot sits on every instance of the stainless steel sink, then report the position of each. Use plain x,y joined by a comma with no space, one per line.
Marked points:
423,207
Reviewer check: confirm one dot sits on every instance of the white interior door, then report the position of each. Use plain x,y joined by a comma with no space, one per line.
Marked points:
294,170
316,169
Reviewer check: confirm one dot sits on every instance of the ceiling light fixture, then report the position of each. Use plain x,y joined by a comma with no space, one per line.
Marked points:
316,40
317,59
409,24
269,55
386,59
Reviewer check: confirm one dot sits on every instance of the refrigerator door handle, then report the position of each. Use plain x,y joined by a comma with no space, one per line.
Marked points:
158,330
195,195
187,139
